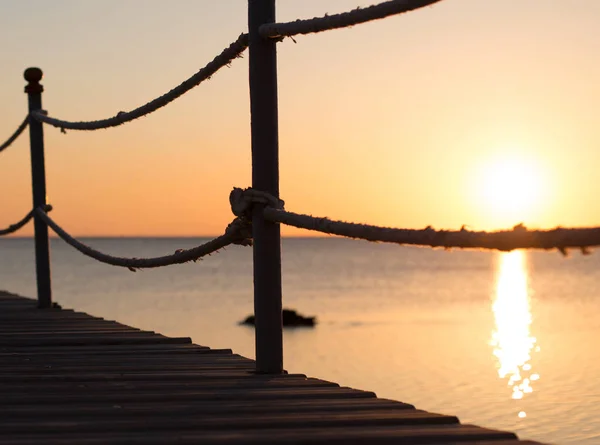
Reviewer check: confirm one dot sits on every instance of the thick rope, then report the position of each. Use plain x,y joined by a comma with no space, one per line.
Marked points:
232,52
14,227
16,134
242,201
343,20
517,238
236,233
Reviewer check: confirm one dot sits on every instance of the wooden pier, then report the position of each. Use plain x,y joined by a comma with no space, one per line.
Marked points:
70,378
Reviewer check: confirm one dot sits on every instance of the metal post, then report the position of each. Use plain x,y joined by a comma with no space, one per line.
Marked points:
265,177
38,178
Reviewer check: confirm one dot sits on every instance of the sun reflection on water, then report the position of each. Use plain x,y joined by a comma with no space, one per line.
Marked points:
511,339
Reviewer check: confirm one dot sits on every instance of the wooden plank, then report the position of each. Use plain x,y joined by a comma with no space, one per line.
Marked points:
62,325
142,376
63,361
146,386
89,340
194,407
118,422
162,364
396,435
189,373
119,397
83,369
115,350
34,317
180,376
84,330
77,324
143,358
9,304
48,314
58,333
50,370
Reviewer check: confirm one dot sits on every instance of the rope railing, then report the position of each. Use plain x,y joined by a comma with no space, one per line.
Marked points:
343,20
236,233
232,52
16,134
504,240
15,227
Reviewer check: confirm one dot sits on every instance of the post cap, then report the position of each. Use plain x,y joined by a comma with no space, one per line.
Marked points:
33,76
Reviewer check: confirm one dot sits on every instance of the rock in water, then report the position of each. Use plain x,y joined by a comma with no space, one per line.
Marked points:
290,319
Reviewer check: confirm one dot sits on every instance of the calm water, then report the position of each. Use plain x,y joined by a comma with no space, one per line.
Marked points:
501,340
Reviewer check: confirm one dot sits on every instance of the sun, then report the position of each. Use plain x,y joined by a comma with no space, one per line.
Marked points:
510,190
511,185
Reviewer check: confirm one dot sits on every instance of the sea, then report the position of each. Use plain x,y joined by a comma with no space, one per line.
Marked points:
502,340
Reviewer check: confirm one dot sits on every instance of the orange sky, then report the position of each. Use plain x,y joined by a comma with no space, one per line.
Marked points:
394,122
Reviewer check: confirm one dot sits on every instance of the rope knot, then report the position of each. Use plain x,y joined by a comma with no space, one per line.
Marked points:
241,227
243,200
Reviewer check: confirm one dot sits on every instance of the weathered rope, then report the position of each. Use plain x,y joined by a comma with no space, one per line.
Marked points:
16,134
14,227
225,58
236,233
343,20
517,238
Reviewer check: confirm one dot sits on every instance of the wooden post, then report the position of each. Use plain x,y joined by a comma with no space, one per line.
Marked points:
38,177
265,177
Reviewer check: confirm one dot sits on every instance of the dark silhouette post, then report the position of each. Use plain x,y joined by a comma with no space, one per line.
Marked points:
38,178
265,177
